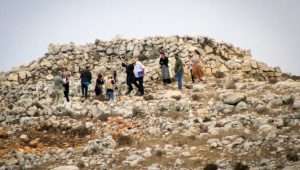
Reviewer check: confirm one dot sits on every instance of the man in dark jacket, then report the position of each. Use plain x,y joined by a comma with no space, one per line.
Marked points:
130,79
178,71
86,79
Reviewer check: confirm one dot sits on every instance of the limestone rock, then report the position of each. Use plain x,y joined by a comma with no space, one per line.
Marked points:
67,167
234,98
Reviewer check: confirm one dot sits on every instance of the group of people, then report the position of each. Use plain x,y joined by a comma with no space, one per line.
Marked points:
135,76
195,68
135,72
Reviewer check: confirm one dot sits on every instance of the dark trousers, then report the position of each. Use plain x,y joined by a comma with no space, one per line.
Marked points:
193,79
131,81
140,81
66,93
84,89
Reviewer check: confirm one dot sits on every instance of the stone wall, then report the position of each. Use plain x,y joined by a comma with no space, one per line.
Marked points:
105,56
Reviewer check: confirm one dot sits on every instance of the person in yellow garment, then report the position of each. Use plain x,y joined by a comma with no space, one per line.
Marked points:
109,85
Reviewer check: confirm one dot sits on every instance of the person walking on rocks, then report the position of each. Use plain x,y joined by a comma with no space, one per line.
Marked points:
86,78
66,85
197,71
130,78
99,85
58,89
109,85
139,71
191,68
163,61
179,71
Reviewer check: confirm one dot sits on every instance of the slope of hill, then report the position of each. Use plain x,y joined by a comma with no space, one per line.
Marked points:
244,115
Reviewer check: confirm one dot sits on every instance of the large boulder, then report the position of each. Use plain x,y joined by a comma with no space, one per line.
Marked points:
234,98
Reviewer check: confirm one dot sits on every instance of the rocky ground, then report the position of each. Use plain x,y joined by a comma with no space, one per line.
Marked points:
232,120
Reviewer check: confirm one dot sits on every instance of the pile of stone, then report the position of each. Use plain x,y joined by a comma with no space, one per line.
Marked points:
217,57
236,119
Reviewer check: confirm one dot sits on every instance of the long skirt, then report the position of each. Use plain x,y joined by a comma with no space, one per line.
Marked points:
165,74
197,71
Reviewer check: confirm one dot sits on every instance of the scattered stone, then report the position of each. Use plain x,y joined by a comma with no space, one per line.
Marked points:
24,138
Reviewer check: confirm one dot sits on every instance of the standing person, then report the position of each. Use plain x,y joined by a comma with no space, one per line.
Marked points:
58,89
66,85
115,76
139,71
178,71
191,68
196,68
99,85
130,78
109,85
86,78
163,61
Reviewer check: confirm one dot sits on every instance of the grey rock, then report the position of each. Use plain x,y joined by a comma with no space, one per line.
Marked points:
241,106
234,98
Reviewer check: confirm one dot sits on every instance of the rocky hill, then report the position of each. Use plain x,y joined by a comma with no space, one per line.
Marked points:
245,115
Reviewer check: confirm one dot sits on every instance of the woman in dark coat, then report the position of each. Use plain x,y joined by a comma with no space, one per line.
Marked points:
99,84
163,61
66,85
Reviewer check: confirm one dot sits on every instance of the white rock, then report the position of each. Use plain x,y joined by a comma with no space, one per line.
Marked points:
69,167
12,77
24,138
296,104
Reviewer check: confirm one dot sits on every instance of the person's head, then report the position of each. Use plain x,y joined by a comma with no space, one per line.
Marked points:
177,56
57,72
162,54
87,67
99,76
133,61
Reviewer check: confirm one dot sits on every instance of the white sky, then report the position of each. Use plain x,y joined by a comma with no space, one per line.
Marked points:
270,28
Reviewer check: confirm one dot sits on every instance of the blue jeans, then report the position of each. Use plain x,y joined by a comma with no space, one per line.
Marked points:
84,89
178,77
110,94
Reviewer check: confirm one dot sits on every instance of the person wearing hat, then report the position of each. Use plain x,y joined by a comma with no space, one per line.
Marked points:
163,61
178,69
130,78
86,79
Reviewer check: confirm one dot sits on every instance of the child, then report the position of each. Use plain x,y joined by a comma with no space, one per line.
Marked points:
109,84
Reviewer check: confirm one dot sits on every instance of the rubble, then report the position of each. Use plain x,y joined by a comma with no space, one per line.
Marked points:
243,109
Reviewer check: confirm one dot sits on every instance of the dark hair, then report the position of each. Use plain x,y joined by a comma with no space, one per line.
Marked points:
99,75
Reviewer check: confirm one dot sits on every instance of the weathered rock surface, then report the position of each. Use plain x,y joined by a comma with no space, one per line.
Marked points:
243,109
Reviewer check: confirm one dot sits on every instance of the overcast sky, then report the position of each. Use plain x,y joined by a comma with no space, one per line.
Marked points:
270,28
